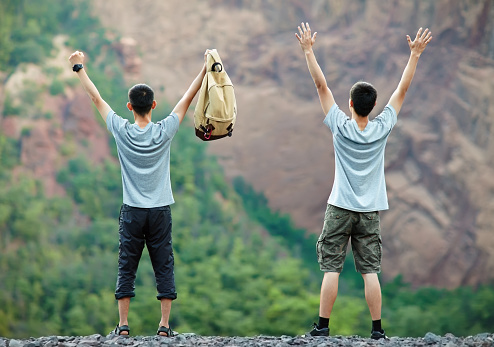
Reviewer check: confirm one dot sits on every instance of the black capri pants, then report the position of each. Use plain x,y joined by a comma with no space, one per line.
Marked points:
152,227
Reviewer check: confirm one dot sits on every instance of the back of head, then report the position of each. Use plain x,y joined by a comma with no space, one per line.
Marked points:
364,97
141,97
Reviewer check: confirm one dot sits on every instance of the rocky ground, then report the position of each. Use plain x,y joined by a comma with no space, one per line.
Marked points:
430,339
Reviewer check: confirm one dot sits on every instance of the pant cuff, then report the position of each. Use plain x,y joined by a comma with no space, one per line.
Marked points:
122,295
171,296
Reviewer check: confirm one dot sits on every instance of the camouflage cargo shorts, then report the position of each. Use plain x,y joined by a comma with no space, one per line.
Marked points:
364,230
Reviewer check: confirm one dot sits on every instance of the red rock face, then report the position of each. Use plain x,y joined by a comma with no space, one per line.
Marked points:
80,121
53,131
126,48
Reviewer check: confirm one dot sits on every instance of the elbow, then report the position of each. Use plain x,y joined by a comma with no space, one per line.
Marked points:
97,100
404,90
403,87
401,92
187,99
320,85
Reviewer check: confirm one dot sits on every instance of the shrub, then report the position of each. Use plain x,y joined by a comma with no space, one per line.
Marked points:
56,87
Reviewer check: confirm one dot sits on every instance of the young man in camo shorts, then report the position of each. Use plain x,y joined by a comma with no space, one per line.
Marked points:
359,189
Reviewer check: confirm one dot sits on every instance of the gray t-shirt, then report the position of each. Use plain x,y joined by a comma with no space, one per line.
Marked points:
144,156
359,183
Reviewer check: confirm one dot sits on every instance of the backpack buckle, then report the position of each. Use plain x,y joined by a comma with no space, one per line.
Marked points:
207,131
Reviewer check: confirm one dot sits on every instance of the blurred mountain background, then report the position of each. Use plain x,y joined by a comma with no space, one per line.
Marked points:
248,208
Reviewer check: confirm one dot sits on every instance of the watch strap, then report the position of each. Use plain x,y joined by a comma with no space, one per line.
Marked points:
77,67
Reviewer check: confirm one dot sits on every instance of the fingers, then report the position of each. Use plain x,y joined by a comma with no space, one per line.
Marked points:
424,34
77,53
422,37
208,51
428,37
304,36
304,29
307,28
418,33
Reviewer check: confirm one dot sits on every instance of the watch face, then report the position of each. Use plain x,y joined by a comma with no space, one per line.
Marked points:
77,67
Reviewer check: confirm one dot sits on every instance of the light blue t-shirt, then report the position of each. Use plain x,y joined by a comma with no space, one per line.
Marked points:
359,183
144,156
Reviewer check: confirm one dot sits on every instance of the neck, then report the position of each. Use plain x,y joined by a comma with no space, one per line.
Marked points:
142,121
361,121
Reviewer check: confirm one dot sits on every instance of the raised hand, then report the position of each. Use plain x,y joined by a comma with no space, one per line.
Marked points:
206,55
305,39
76,58
418,45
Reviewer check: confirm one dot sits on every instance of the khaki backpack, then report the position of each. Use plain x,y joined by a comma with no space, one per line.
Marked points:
216,109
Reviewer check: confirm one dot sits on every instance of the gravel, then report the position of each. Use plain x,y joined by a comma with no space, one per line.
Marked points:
430,339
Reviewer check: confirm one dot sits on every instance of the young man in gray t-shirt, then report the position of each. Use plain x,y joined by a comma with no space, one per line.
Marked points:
359,189
145,216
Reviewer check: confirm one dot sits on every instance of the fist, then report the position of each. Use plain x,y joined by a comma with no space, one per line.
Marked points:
206,55
76,58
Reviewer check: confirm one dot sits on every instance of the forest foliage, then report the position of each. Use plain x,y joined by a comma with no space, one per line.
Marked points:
241,268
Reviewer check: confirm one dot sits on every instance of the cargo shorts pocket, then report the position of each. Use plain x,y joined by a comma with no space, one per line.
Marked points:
367,244
371,216
334,212
368,256
331,255
332,243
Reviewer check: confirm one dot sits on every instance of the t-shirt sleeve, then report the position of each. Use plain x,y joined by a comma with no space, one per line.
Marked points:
114,122
388,117
170,125
335,118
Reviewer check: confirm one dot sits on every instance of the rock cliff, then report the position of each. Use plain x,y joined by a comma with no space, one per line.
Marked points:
440,156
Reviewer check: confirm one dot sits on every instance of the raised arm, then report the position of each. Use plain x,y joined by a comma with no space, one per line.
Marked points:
306,41
417,46
103,108
183,105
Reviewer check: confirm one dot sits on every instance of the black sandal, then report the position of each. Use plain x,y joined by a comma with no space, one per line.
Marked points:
118,330
167,331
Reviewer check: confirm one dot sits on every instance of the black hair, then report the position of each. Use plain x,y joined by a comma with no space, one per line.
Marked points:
141,97
364,97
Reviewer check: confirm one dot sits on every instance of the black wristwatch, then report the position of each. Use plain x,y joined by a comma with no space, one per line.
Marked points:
77,67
